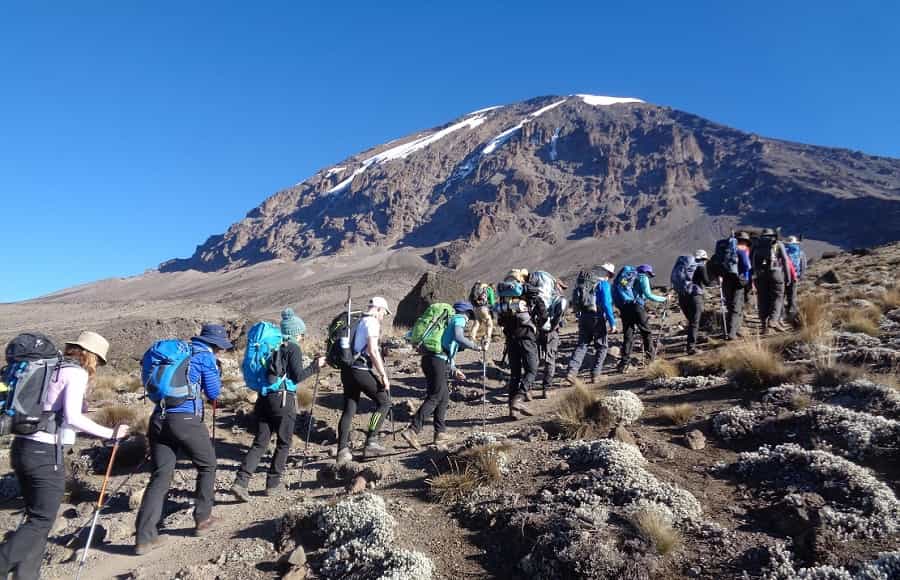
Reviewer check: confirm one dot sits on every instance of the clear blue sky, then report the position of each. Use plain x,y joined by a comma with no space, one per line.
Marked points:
132,130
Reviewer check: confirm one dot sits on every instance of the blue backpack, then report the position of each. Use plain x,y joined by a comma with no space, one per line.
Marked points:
164,372
623,286
794,253
510,289
263,343
682,277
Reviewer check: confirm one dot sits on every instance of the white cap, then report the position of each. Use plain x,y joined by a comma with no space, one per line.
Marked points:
701,255
793,240
379,302
611,268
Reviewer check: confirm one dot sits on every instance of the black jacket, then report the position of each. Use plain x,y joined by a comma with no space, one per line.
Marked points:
288,361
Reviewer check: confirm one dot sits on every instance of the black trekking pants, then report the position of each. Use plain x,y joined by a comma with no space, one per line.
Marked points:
275,413
43,483
591,332
169,435
437,399
356,382
734,304
770,298
523,364
692,308
548,348
634,318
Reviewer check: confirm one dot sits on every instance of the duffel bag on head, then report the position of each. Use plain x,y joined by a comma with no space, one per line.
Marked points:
428,330
164,372
263,339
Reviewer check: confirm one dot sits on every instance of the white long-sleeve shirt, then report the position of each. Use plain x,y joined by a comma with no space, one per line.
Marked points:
66,393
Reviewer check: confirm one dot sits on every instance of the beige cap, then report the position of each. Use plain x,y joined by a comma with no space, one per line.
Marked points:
92,342
379,302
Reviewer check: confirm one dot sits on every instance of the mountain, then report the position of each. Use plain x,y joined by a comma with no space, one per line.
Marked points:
556,170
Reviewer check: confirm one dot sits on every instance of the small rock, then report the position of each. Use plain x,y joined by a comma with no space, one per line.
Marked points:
297,557
695,440
829,277
358,485
135,498
615,352
659,449
298,573
622,434
376,471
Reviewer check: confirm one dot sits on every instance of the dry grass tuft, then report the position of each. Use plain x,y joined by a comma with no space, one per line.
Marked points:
236,395
661,368
890,298
470,469
837,374
815,318
680,414
753,365
113,415
580,415
111,381
304,398
863,319
655,528
800,401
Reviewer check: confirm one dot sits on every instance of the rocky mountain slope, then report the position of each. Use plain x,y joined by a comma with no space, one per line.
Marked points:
555,170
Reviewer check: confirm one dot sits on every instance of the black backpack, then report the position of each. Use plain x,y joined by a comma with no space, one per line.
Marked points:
765,254
337,355
583,297
32,362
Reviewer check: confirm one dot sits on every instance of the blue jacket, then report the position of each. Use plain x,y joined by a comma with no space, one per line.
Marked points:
454,338
644,292
603,296
745,267
204,372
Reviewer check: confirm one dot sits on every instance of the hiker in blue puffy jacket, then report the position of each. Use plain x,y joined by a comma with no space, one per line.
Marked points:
594,327
436,368
634,317
798,257
181,428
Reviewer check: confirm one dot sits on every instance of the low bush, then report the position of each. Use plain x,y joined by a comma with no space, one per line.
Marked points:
815,318
655,527
753,365
680,414
661,368
470,468
579,415
863,319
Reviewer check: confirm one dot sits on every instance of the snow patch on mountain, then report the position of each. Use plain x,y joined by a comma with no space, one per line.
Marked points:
604,101
485,110
505,136
406,149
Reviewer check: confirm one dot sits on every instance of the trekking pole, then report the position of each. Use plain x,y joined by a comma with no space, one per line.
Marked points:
484,388
109,498
309,424
87,546
662,322
724,310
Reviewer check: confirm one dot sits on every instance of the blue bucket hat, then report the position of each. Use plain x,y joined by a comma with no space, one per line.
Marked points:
214,335
463,307
646,269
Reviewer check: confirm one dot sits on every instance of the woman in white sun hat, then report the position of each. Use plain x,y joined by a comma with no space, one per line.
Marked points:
37,459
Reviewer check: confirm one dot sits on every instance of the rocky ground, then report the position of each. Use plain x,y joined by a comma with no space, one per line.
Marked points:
713,466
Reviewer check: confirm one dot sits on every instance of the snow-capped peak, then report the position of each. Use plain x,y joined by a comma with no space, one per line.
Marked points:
604,101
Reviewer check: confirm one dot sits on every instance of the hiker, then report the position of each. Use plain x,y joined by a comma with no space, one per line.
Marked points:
735,281
520,311
180,427
634,313
772,270
276,411
548,341
366,375
483,299
799,262
37,459
595,312
689,278
436,367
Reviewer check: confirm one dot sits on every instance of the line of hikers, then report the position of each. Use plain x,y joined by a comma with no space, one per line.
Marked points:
44,390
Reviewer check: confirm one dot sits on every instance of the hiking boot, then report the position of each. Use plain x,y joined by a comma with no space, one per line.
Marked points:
373,448
780,327
240,491
147,547
344,457
518,405
526,397
275,490
204,527
691,351
409,435
571,378
442,438
624,369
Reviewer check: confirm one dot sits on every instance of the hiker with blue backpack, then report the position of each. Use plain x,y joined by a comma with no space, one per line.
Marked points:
273,367
731,265
689,278
799,261
366,373
177,375
593,305
438,361
631,291
56,386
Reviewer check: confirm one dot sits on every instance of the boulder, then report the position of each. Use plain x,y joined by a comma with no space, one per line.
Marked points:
432,287
828,277
695,440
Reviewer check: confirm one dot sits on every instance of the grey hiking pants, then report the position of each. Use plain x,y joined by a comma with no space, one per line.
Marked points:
276,413
770,298
168,435
43,483
791,307
592,332
548,349
734,304
523,364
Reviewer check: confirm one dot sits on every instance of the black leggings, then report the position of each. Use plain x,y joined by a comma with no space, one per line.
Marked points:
356,382
438,396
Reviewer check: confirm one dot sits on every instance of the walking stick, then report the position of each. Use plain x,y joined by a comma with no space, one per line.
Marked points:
109,498
724,310
309,424
87,547
484,387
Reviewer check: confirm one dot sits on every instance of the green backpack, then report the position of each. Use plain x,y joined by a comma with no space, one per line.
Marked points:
428,331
